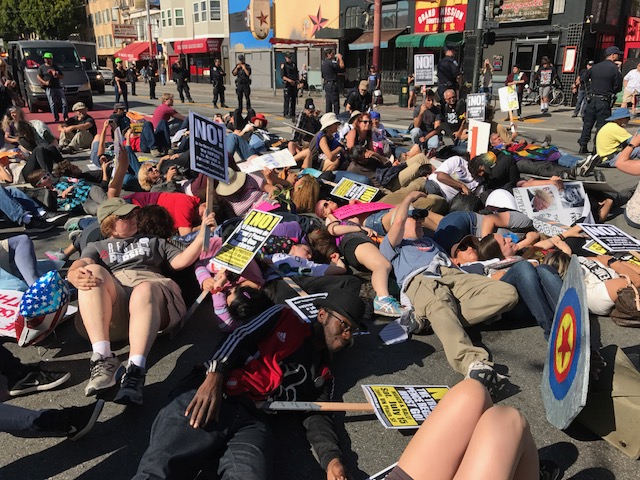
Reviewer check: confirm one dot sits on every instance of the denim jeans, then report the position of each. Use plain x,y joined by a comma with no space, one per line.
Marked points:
356,177
54,94
453,227
567,160
538,288
580,102
14,204
21,422
416,133
612,161
235,143
240,439
158,138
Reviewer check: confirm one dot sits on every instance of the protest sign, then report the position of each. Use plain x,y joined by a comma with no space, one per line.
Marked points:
9,311
208,147
304,307
118,147
356,209
508,98
566,368
611,237
352,190
476,103
423,66
404,406
279,159
246,240
478,141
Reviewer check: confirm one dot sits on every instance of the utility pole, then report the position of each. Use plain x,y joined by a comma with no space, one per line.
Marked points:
377,27
151,56
478,54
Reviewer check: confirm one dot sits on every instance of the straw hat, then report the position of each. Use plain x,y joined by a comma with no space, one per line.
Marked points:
327,120
236,181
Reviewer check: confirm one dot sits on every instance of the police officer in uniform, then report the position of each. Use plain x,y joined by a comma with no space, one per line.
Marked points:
152,72
331,65
217,78
181,77
603,81
448,72
242,72
290,75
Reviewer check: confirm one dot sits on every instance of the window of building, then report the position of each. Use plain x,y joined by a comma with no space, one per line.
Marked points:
164,20
353,17
203,11
107,15
196,13
215,10
109,41
558,6
168,18
114,14
394,15
100,41
178,15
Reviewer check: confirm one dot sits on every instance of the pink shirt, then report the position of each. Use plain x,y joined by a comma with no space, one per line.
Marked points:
162,112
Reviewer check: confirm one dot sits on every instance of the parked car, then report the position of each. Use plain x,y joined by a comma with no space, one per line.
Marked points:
107,75
95,76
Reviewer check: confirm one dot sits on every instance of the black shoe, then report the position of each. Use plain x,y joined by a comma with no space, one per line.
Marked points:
223,105
215,105
574,115
36,226
131,386
589,165
51,217
37,380
72,422
191,100
182,101
549,470
583,149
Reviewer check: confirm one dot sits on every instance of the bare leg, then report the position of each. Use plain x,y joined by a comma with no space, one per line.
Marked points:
369,255
148,315
96,305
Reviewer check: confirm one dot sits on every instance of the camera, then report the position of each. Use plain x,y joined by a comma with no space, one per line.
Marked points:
419,213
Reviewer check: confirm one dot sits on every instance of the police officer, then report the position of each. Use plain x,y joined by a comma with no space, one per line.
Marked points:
448,72
181,77
152,73
242,72
603,81
331,65
217,78
290,75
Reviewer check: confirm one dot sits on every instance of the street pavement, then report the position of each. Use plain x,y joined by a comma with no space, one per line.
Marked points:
114,447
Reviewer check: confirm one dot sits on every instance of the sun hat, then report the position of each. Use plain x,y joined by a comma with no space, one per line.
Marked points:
114,206
618,114
327,120
119,106
466,240
355,114
236,181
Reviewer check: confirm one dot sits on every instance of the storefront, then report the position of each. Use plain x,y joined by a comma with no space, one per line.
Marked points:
199,54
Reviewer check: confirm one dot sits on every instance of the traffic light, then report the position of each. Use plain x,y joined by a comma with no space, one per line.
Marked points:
496,9
489,38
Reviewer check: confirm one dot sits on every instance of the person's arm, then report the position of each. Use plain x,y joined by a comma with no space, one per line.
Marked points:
102,138
436,130
337,266
80,277
417,121
350,138
492,221
332,155
554,180
5,174
178,116
396,232
9,138
340,60
624,163
192,252
43,82
448,180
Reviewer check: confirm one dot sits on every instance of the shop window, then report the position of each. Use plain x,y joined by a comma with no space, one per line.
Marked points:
178,15
215,10
353,17
196,13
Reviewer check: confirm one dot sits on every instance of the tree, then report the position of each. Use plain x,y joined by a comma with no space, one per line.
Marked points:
11,24
47,19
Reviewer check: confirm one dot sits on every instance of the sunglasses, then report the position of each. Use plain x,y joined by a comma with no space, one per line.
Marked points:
153,168
43,179
464,247
346,328
365,121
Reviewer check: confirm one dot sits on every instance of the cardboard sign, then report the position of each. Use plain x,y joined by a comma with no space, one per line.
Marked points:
352,190
566,369
508,98
208,147
304,307
279,159
423,65
9,311
404,406
246,240
356,209
611,238
476,104
478,141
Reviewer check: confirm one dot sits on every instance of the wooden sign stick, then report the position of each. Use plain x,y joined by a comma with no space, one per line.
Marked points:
210,197
315,406
298,129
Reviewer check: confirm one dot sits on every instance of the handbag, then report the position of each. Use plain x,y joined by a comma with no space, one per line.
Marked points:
626,311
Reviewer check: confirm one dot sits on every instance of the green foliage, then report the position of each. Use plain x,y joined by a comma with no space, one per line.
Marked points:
46,19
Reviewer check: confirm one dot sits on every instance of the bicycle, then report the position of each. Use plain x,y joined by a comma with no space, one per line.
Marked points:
531,96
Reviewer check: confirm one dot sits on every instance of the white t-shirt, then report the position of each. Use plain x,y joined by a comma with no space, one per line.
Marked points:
457,168
633,79
292,266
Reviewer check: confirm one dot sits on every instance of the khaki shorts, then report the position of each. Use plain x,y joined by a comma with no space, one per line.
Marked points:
125,281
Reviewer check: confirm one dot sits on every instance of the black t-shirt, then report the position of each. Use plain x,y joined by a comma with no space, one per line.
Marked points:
583,79
453,116
93,130
46,72
359,102
429,117
448,72
605,78
546,76
329,70
121,74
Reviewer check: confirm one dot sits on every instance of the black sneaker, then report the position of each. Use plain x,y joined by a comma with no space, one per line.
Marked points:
223,105
549,470
36,226
589,165
82,419
414,325
599,176
51,217
37,380
486,375
131,386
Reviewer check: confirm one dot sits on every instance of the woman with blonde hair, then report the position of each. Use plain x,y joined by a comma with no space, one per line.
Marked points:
305,194
151,179
486,74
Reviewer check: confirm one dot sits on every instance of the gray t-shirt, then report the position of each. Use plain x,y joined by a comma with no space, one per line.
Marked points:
142,253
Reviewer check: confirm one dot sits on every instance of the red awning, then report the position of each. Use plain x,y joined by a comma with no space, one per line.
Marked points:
134,52
198,45
301,42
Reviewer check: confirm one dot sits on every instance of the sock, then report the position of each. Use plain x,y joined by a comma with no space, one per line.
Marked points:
138,360
26,218
41,212
382,298
103,348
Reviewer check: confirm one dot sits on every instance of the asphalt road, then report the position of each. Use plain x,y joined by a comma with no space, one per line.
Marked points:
113,449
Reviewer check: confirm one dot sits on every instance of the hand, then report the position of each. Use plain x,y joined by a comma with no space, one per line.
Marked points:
413,196
336,470
465,190
67,191
209,284
370,233
172,172
269,175
334,257
83,279
105,166
209,219
557,181
635,139
423,108
206,403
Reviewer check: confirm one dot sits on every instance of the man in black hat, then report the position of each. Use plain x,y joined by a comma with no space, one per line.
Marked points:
290,76
331,65
275,356
308,121
448,72
217,78
603,81
242,72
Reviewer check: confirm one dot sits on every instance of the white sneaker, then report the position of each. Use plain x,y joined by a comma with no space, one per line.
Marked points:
486,375
103,373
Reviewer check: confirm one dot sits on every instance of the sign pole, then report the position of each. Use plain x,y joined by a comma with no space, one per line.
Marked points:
478,54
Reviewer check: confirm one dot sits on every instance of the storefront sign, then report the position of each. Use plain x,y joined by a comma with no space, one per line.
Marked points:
124,31
199,45
524,11
440,16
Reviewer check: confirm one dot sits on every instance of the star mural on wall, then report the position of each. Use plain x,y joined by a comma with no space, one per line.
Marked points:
263,18
318,22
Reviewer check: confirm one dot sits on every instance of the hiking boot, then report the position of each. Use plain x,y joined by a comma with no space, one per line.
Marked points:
74,422
131,386
389,307
56,255
486,375
103,373
37,226
37,380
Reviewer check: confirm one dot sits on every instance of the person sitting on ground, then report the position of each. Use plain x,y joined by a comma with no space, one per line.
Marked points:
261,140
156,137
119,118
126,290
613,137
307,120
360,98
326,153
77,132
21,209
442,295
427,121
209,401
454,122
10,127
362,134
